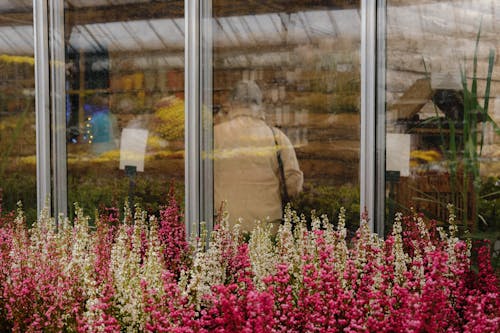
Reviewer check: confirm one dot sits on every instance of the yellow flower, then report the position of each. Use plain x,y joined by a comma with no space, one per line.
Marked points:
425,156
170,116
17,59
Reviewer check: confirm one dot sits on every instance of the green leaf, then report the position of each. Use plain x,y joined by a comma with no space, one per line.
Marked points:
484,109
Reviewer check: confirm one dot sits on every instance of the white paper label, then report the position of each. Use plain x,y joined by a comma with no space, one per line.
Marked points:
398,153
133,148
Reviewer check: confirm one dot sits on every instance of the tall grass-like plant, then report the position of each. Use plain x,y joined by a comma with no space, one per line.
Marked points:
464,145
475,117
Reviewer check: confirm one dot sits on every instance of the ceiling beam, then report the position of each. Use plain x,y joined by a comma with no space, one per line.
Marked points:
123,13
244,7
175,9
17,18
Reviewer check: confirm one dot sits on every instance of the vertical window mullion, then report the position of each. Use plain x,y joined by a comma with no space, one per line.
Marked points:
42,95
368,109
58,106
206,100
192,115
380,125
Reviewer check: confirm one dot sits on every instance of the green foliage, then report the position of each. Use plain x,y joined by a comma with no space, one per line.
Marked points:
489,205
463,146
328,199
19,187
17,179
474,112
94,192
17,136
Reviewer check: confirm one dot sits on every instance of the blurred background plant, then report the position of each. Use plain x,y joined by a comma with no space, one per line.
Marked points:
475,116
17,163
462,134
329,199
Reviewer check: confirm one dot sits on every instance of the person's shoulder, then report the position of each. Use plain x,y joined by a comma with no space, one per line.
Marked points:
229,125
280,135
277,130
222,124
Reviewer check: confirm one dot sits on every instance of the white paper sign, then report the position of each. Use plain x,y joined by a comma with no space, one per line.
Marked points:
398,153
133,148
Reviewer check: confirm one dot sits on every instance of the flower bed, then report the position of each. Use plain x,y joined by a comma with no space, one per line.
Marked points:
140,274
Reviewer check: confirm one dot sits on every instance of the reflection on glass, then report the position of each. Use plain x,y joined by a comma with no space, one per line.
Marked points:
441,141
252,160
125,102
17,108
305,59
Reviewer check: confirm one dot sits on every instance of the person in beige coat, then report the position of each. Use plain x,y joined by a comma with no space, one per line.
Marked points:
246,168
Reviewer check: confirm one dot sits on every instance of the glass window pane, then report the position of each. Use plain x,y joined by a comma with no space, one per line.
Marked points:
17,107
286,79
125,102
441,141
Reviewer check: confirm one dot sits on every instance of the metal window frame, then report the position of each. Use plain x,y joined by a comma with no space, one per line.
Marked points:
42,102
380,125
192,128
198,76
199,169
198,116
50,103
368,110
206,116
58,107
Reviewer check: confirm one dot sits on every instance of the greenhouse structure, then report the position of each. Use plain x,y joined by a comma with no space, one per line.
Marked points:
389,105
287,166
